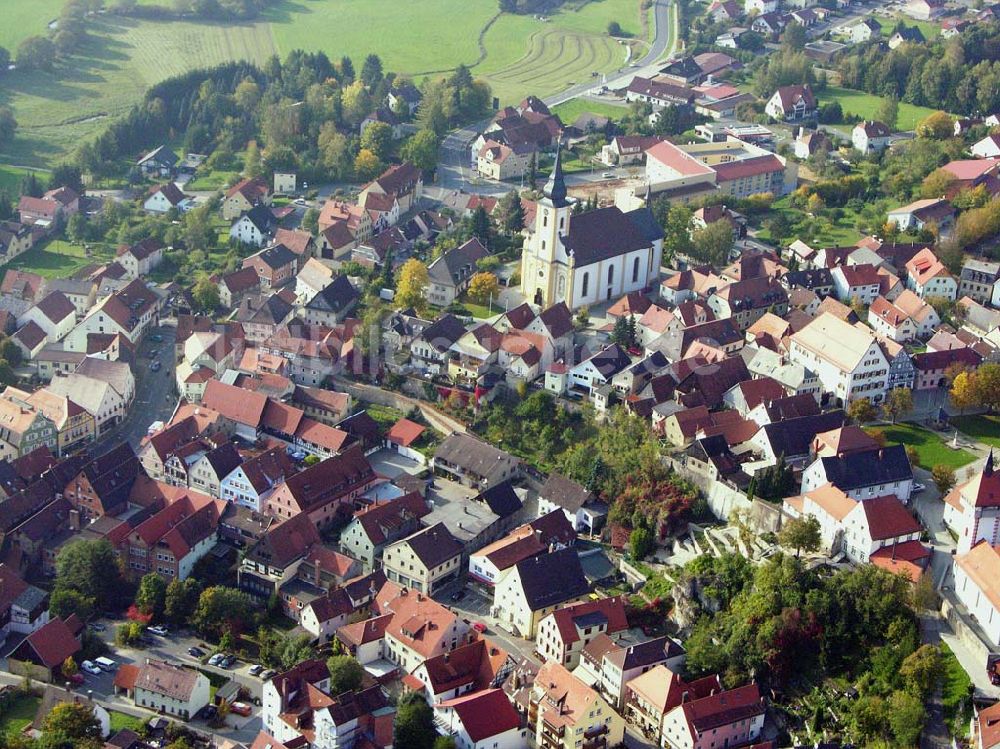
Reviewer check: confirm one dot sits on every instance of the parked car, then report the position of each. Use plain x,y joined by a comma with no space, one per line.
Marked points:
256,669
196,652
479,627
267,673
98,627
208,712
75,679
241,708
216,659
458,595
155,366
159,629
228,662
91,668
156,337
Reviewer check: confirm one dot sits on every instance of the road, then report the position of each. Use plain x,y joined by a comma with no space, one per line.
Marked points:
154,391
454,171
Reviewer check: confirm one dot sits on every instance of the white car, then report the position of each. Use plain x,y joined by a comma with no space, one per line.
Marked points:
158,630
91,668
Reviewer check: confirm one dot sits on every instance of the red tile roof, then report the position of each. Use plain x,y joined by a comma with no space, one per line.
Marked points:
612,608
485,714
50,645
234,403
748,167
405,432
909,558
888,518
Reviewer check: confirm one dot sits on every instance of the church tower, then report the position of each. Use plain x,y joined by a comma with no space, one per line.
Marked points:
544,269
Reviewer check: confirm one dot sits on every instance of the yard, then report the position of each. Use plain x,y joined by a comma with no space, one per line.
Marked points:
123,722
570,110
60,259
860,105
19,714
840,229
982,428
931,449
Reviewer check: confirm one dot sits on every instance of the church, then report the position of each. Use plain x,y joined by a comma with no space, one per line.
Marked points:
591,257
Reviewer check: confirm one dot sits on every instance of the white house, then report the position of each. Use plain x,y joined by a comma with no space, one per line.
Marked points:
927,276
760,7
482,720
864,474
141,258
165,197
166,688
891,322
536,587
923,212
792,103
846,358
253,227
870,135
55,315
600,368
591,257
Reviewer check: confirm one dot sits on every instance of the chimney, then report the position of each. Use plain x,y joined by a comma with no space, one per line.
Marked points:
74,519
317,572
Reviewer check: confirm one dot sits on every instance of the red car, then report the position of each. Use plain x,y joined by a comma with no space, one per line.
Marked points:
479,627
240,708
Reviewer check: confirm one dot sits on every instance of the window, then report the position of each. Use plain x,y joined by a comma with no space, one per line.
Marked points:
611,274
635,270
585,285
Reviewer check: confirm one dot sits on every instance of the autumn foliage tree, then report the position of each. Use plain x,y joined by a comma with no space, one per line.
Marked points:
412,284
483,287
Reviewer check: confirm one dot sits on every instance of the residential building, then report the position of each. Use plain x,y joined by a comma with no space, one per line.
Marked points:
451,272
864,474
164,687
729,718
580,506
846,358
563,634
472,462
426,561
54,314
332,304
141,258
536,587
987,148
244,196
977,572
926,276
367,535
325,491
650,696
482,720
491,563
43,652
275,266
23,427
563,710
792,103
870,135
927,213
164,198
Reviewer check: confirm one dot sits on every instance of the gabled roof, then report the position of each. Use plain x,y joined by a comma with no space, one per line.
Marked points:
485,714
723,709
56,307
603,233
450,266
234,403
285,543
609,612
434,545
565,492
168,680
888,518
793,437
855,470
49,645
552,578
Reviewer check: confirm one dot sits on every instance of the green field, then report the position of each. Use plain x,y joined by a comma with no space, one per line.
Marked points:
570,110
866,106
19,714
60,259
841,232
985,429
931,448
520,55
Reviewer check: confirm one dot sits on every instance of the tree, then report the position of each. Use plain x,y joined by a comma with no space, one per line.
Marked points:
921,669
481,226
65,601
801,533
511,213
67,175
377,138
206,294
483,287
888,111
371,71
937,183
794,37
987,386
356,102
943,477
181,599
640,542
412,284
676,222
335,151
861,411
247,94
422,150
899,401
713,243
414,725
152,595
367,165
69,667
8,125
76,227
614,28
71,723
906,717
91,569
937,126
346,674
36,53
963,391
310,221
253,166
444,742
221,609
622,333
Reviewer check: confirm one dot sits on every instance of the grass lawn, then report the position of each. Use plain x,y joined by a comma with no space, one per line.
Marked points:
24,18
823,231
60,259
956,689
123,722
931,449
480,311
863,105
929,29
211,180
985,429
570,110
19,715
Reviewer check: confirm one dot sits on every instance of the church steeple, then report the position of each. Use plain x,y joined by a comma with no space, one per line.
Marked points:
988,468
555,188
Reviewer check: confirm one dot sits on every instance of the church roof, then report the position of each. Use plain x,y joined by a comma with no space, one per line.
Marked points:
555,188
604,233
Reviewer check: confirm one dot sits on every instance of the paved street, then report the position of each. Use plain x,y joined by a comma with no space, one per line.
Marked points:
154,391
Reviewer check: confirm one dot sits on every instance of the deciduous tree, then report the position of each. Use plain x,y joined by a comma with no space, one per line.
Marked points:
938,126
346,674
377,138
422,150
898,402
861,411
206,294
411,285
963,391
152,595
943,477
483,287
414,725
367,165
801,534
